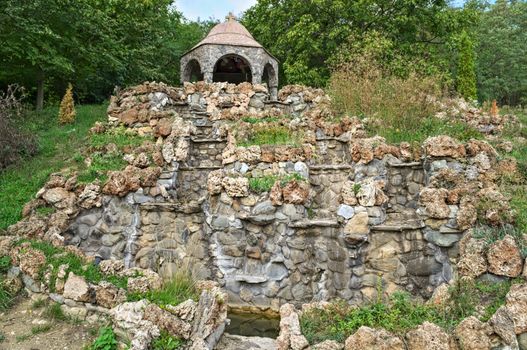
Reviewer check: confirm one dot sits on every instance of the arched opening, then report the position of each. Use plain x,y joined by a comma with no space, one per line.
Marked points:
232,69
193,72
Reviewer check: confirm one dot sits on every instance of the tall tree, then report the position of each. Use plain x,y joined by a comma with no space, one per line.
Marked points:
466,68
305,34
502,53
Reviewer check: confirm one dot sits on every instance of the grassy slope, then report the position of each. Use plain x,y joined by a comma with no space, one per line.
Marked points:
57,146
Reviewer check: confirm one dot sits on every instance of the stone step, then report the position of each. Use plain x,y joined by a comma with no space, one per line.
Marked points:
187,208
323,167
240,342
399,226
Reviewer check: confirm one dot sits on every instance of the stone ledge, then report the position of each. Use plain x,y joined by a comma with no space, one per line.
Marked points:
330,167
211,167
400,227
252,279
405,165
209,140
314,223
177,207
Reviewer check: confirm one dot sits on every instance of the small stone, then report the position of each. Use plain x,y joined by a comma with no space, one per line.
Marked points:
346,211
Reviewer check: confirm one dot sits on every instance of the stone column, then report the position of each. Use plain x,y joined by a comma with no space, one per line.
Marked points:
273,91
207,76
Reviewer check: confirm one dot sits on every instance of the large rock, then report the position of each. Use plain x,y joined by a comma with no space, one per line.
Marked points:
147,280
214,180
357,225
59,197
428,336
107,295
166,321
290,336
239,342
444,146
367,338
473,334
209,320
29,260
77,289
472,262
295,192
90,197
121,183
503,325
434,200
128,317
236,186
504,258
516,303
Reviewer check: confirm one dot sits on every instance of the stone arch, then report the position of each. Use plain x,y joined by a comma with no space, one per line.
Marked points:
192,71
232,68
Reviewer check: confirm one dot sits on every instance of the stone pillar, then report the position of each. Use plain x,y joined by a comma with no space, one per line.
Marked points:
207,76
273,91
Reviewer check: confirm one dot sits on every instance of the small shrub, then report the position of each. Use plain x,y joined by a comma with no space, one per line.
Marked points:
492,234
54,312
262,184
180,288
67,111
120,136
43,328
39,303
166,342
6,297
290,177
45,211
106,340
14,143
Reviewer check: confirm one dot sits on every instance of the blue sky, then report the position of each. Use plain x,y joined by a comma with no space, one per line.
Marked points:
204,9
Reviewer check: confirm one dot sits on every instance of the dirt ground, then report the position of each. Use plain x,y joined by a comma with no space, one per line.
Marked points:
20,322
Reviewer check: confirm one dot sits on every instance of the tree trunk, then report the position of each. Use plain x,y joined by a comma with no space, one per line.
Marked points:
40,92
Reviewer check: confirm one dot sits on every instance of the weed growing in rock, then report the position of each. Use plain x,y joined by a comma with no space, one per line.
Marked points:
45,211
107,340
166,342
272,135
262,184
492,234
175,291
5,264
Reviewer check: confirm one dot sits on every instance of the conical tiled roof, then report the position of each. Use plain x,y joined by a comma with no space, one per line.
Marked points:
230,32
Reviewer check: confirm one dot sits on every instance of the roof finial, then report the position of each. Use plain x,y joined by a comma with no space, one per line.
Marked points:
230,17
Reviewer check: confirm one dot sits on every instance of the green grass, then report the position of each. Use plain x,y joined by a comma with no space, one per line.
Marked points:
166,342
427,127
265,183
56,256
57,144
492,234
256,120
54,312
120,136
39,303
5,264
45,211
262,184
175,291
40,329
101,164
400,313
272,135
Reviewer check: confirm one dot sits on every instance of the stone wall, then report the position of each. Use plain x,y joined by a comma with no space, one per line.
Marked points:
347,217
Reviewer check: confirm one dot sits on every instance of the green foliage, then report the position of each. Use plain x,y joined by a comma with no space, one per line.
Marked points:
180,288
2,337
262,184
272,135
101,164
256,120
492,234
119,136
265,183
107,340
56,256
466,71
6,297
501,53
304,36
400,313
94,44
5,264
39,303
166,342
19,183
43,328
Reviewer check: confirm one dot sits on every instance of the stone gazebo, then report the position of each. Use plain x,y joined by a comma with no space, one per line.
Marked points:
230,53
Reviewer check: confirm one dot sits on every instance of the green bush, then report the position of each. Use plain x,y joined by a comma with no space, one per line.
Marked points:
271,135
106,340
466,67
